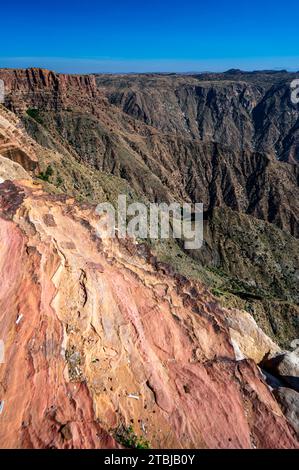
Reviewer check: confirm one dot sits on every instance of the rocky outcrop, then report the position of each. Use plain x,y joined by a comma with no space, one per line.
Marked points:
98,334
44,88
11,171
15,144
286,367
282,374
96,150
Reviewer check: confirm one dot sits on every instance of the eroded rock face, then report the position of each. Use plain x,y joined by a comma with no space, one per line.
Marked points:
11,170
172,137
97,333
248,339
79,131
241,110
15,144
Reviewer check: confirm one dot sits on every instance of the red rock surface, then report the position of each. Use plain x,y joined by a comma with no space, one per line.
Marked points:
103,323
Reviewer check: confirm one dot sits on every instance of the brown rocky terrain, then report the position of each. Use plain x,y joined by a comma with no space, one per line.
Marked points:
121,337
89,138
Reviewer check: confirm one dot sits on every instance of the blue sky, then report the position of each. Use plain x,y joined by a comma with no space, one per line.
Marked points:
130,35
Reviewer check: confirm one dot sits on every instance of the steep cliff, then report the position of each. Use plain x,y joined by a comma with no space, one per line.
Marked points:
96,150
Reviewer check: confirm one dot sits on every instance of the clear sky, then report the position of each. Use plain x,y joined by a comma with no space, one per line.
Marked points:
156,35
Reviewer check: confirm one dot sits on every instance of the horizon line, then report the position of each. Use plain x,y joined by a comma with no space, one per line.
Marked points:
131,66
159,72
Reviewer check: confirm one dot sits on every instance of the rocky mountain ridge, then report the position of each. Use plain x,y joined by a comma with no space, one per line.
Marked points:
117,340
239,110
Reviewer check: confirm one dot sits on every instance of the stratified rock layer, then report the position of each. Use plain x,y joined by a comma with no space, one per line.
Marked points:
98,334
172,137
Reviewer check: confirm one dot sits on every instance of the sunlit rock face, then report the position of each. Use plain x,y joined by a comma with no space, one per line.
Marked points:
97,334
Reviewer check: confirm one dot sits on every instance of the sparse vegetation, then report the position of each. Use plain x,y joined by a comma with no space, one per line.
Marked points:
127,437
45,175
35,114
59,181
